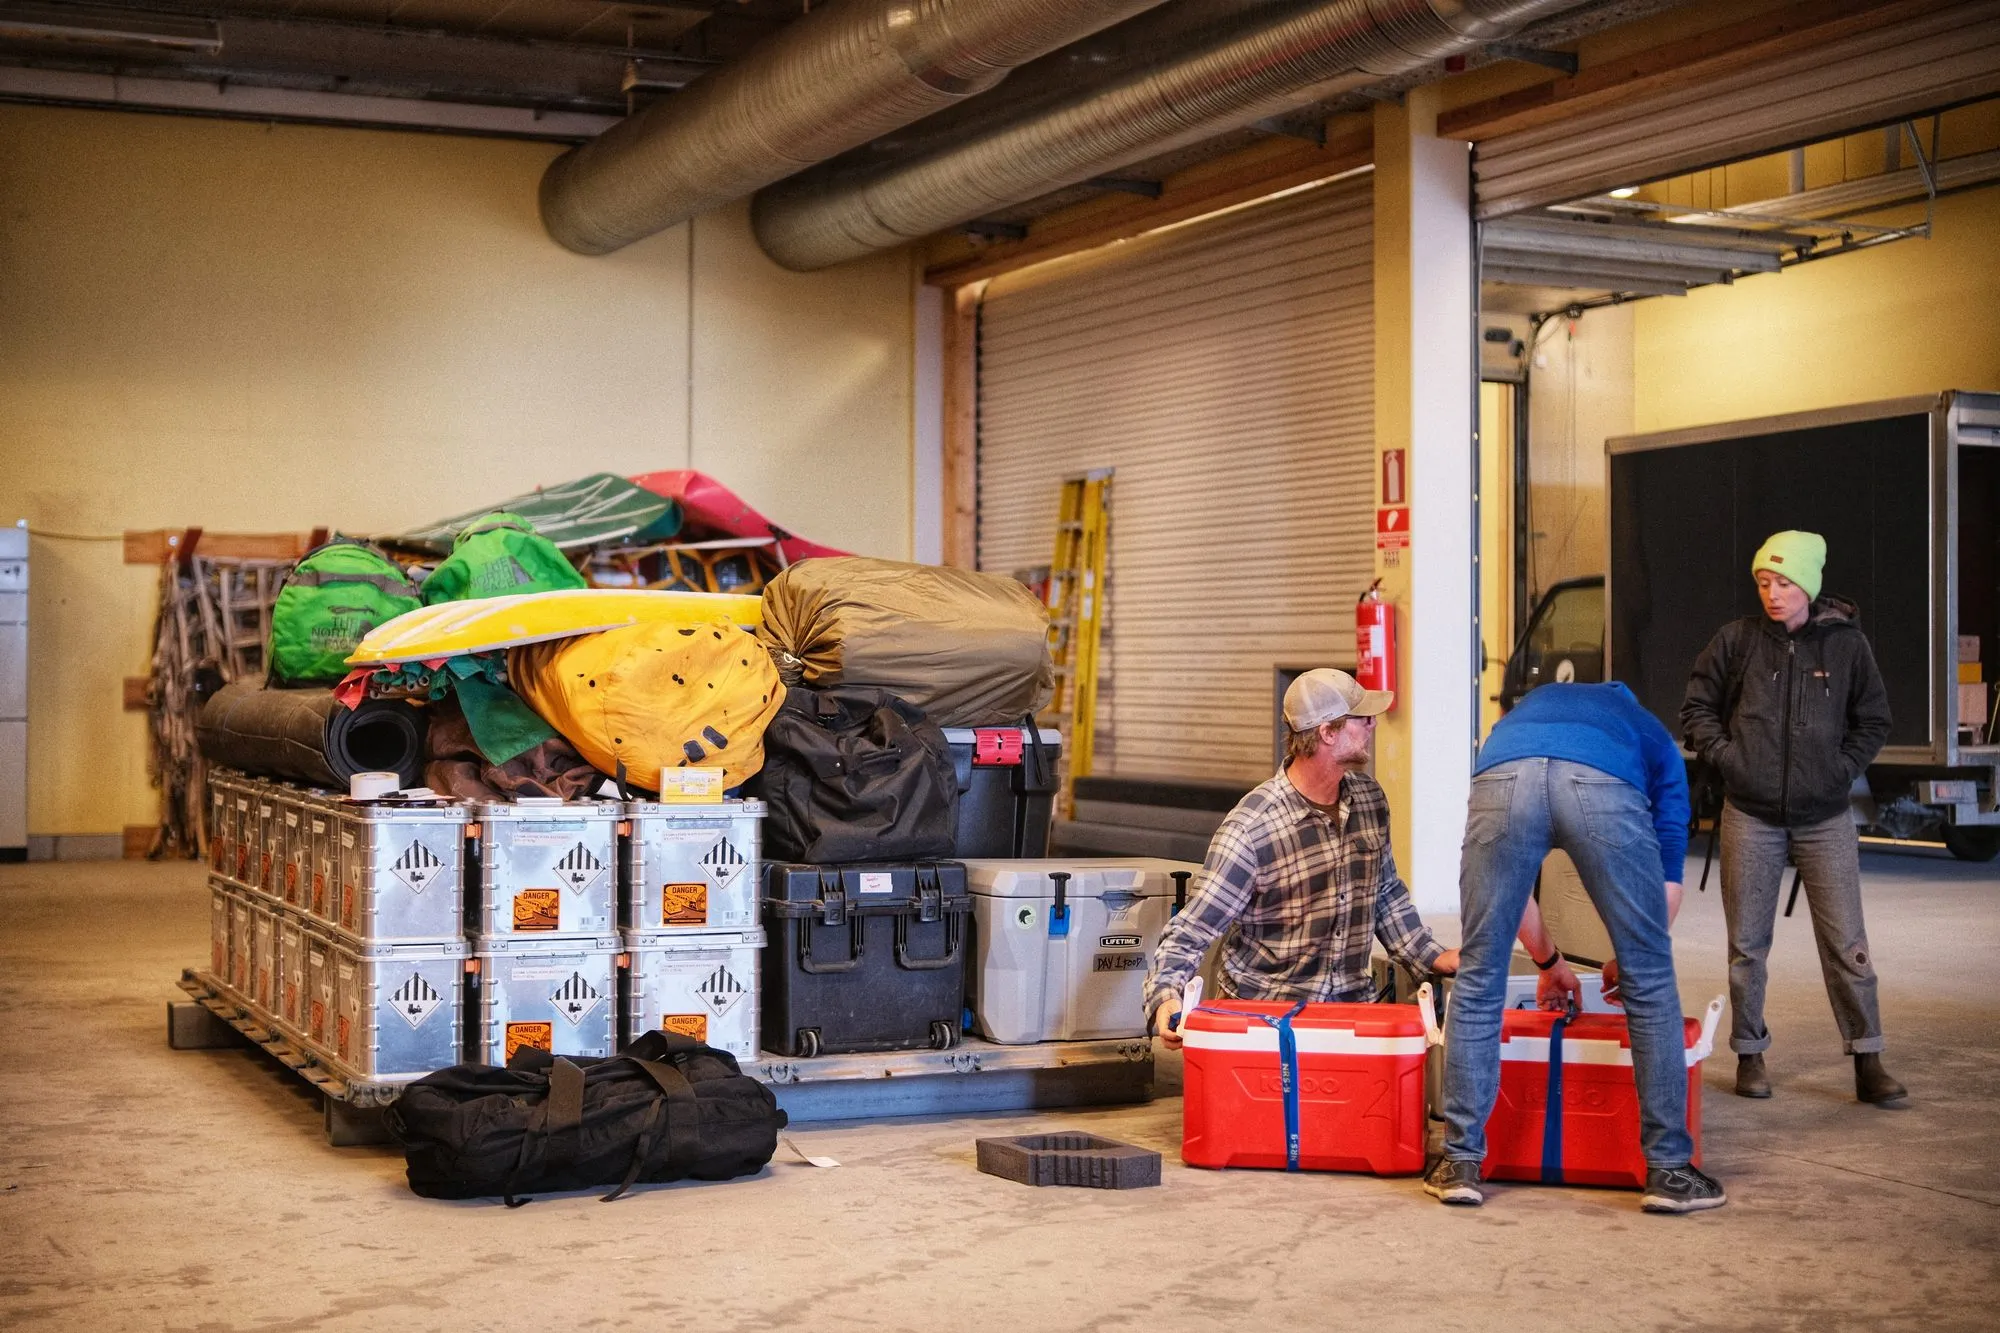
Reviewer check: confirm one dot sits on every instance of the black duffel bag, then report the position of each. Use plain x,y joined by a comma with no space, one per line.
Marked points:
666,1108
853,773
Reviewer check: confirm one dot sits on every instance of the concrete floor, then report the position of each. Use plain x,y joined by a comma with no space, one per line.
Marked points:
146,1188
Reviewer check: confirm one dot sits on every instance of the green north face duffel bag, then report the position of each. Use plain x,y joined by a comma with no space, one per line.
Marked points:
333,596
499,555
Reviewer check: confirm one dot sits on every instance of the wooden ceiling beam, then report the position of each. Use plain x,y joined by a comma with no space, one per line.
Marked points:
1207,187
1686,63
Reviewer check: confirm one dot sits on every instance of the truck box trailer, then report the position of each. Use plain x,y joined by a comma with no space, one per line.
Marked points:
1907,494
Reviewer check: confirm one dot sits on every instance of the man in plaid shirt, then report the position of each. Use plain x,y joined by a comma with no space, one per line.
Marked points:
1302,869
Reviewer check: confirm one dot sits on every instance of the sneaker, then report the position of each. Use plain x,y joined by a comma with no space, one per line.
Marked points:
1681,1189
1455,1182
1751,1080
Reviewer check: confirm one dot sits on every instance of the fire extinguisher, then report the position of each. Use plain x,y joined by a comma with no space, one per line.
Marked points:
1375,640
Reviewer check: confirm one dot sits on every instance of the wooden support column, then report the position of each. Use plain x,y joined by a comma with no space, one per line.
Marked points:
960,463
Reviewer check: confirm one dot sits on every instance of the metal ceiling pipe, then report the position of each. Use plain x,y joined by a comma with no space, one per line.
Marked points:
1270,61
828,82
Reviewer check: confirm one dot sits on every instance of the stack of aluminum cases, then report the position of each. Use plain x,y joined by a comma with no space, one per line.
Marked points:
692,878
337,922
542,916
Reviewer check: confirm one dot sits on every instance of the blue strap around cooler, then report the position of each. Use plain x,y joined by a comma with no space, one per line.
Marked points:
1552,1111
1288,1078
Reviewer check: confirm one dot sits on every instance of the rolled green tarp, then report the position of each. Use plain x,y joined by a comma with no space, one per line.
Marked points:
310,736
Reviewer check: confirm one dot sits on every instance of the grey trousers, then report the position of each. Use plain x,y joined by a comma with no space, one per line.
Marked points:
1753,872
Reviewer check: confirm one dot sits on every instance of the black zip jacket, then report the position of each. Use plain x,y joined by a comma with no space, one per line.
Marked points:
1810,712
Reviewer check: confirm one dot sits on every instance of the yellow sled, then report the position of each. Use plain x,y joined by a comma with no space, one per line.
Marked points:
489,624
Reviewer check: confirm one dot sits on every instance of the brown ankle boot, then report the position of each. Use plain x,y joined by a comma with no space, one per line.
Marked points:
1872,1083
1751,1081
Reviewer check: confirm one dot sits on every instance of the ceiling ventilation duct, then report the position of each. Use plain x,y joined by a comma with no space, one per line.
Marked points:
827,83
1274,59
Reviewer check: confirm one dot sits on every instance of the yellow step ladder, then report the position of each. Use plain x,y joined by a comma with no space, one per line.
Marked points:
1075,599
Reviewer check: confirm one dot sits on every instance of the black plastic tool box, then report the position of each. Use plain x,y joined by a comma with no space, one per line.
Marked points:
864,957
1007,782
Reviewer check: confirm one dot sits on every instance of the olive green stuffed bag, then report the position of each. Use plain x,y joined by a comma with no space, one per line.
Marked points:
334,596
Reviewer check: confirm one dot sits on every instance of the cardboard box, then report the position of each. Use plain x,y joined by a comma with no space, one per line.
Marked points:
1968,673
1968,647
1972,706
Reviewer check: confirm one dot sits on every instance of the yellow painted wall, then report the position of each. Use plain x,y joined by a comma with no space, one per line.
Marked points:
257,328
1912,317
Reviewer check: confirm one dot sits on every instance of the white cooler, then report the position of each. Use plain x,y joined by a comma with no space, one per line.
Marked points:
1040,974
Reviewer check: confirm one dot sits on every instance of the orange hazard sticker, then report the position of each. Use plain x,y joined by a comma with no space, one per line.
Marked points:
316,1018
687,1025
684,904
541,1036
538,909
344,1027
319,894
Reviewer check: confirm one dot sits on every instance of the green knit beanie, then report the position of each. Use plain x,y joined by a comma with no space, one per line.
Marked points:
1799,556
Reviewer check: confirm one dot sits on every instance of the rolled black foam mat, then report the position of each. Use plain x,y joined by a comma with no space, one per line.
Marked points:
1069,1158
310,736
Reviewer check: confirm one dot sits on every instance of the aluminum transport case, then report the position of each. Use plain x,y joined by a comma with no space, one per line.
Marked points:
1006,789
558,995
291,972
700,985
1582,1067
269,853
692,867
1061,947
319,1001
263,993
242,915
219,952
398,1007
546,868
242,831
401,868
221,809
864,958
322,834
1353,1101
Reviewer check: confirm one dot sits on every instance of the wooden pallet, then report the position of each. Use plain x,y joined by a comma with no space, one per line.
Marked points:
216,1016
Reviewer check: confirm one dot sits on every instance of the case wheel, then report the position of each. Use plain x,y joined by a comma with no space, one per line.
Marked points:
808,1042
943,1035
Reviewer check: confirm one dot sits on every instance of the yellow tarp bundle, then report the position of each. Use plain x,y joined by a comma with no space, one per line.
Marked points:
655,696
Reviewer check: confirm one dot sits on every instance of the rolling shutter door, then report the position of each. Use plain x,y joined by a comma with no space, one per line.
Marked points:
1226,371
1875,69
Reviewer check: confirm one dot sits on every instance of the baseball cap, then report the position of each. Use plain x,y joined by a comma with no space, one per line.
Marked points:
1324,695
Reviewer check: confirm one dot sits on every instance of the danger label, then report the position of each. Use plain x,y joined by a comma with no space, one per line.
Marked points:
721,863
684,904
687,1025
579,868
417,867
415,1000
720,990
540,1036
575,998
538,909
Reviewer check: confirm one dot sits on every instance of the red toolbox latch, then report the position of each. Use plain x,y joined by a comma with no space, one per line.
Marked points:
996,747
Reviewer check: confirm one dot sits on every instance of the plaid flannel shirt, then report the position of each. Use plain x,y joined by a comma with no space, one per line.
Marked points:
1306,893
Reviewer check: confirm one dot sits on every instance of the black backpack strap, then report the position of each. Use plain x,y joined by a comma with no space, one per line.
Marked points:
556,1121
643,1150
683,1108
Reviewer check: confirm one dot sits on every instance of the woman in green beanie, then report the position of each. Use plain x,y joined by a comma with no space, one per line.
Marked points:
1790,709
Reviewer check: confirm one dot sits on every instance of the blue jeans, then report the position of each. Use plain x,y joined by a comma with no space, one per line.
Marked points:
1519,811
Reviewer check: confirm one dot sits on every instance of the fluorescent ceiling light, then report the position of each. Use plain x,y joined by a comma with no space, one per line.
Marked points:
1624,192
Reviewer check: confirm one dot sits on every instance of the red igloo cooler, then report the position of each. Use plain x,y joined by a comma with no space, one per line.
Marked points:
1581,1066
1305,1087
